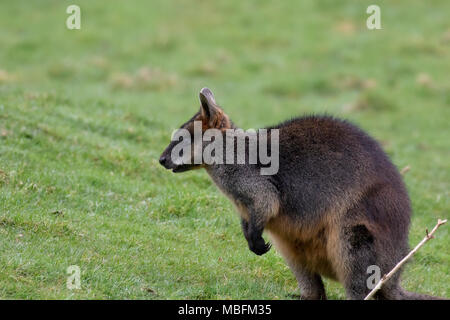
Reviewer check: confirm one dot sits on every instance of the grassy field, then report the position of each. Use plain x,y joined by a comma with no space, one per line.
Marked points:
85,114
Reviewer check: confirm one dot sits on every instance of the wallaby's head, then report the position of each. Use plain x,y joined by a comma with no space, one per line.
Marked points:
210,116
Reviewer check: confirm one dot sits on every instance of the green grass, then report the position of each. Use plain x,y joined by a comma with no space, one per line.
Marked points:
85,114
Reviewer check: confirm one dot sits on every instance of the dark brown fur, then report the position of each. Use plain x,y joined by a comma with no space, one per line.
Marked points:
336,206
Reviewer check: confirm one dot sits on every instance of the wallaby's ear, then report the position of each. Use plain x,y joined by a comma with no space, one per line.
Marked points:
209,108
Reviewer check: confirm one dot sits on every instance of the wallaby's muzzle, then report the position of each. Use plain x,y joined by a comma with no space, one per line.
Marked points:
162,161
165,158
166,161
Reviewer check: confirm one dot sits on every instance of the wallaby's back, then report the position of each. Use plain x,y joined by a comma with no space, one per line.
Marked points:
327,164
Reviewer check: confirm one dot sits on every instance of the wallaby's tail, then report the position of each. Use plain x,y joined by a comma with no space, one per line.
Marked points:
398,293
408,295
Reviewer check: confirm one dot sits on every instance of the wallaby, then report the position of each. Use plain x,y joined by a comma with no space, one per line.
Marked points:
336,206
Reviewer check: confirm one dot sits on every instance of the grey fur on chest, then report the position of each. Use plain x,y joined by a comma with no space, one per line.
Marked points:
241,183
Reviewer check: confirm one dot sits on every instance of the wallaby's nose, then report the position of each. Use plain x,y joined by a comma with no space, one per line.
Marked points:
162,160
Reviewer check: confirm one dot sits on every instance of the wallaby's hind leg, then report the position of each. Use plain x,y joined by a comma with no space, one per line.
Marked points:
374,233
310,285
359,253
391,290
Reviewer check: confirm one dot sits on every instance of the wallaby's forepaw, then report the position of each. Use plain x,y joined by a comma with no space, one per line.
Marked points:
259,247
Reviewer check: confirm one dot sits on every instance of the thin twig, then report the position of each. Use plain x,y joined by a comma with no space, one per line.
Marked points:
405,170
386,277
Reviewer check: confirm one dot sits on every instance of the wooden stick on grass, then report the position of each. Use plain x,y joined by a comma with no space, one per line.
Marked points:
386,277
405,170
